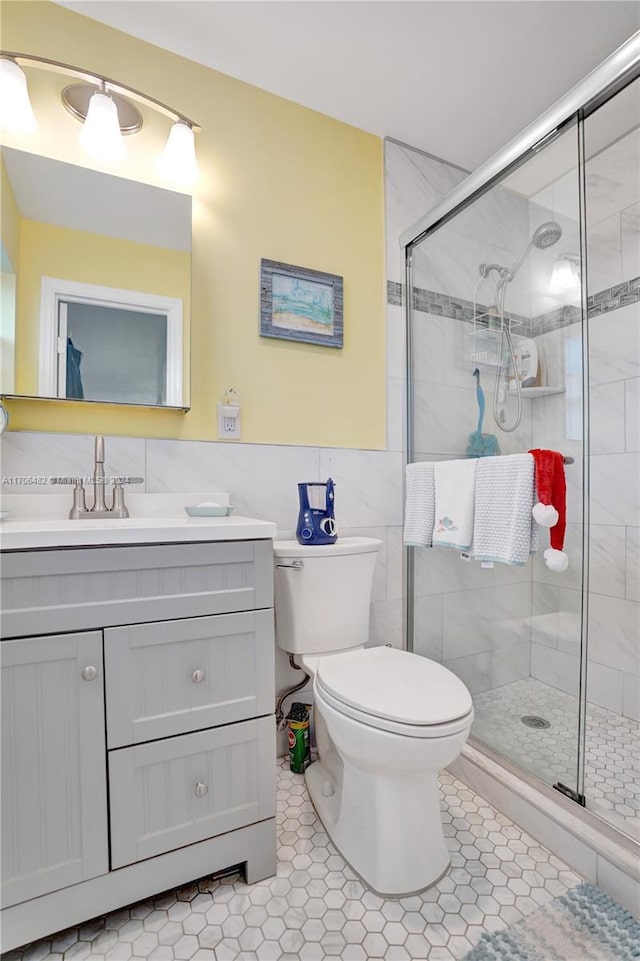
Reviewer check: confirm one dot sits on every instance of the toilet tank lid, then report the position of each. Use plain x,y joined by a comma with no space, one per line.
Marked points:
396,685
344,545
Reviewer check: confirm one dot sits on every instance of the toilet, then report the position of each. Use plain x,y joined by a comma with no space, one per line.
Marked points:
386,720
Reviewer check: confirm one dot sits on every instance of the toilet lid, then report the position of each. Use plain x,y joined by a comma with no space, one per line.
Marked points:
395,685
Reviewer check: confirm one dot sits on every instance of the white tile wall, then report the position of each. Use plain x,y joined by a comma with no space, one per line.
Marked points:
26,455
633,563
630,235
607,420
614,366
613,208
608,561
473,669
482,620
632,413
604,250
613,345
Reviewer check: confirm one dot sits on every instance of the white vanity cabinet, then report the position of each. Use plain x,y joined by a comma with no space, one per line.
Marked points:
143,675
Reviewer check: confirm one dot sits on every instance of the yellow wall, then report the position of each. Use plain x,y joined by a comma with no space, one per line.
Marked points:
9,217
49,251
277,181
10,237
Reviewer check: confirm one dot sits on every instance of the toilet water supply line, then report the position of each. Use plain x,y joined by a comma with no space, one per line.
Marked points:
288,691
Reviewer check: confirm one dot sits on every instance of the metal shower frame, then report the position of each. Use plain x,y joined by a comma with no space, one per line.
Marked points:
603,83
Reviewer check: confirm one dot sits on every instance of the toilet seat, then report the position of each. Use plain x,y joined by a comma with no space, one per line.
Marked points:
395,691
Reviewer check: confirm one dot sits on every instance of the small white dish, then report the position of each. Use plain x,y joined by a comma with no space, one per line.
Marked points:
202,510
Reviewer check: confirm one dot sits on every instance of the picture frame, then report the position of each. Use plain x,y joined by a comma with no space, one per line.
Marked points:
301,304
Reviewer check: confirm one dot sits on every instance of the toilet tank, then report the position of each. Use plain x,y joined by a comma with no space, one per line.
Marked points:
322,594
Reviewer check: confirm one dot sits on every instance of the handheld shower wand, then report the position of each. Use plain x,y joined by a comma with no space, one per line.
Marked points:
546,235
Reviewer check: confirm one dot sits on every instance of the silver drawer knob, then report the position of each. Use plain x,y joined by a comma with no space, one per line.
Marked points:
197,677
201,789
89,673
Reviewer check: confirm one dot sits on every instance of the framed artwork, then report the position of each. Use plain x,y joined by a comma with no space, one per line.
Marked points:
297,303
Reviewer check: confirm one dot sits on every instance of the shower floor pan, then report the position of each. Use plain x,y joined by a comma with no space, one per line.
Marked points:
612,759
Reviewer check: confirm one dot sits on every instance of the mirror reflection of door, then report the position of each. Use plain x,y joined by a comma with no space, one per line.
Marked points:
109,345
111,354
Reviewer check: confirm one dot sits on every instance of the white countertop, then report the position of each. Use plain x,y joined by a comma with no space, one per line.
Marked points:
35,521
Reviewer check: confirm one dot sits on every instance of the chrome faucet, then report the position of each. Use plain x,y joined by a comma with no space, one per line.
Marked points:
80,511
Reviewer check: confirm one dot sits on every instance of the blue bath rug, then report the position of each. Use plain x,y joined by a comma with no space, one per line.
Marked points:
584,924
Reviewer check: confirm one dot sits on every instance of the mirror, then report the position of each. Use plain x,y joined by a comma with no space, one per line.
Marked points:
96,283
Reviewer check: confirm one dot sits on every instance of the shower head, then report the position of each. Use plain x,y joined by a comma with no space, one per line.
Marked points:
546,235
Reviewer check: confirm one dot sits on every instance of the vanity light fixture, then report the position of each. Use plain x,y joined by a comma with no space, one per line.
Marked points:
100,135
178,160
107,112
16,112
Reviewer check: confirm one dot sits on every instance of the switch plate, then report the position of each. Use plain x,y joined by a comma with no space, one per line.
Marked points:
228,427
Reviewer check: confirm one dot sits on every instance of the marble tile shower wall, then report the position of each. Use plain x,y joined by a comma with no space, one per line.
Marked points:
613,249
614,608
414,183
463,615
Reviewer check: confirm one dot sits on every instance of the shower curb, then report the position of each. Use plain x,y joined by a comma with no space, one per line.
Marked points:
590,846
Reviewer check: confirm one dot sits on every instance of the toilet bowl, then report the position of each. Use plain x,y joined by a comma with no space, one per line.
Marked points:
386,720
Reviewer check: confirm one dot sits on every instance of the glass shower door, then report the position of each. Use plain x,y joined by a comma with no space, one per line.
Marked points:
498,282
612,187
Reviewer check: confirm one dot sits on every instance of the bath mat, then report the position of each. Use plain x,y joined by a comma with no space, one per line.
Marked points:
584,924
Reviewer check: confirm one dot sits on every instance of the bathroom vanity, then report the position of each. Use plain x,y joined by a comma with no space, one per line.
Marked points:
138,737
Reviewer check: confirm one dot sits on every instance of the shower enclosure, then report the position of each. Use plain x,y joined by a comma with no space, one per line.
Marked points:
526,278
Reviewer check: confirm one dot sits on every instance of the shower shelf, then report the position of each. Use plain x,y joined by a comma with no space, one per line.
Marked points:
532,392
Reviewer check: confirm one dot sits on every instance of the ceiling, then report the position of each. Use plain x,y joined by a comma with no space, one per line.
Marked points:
455,78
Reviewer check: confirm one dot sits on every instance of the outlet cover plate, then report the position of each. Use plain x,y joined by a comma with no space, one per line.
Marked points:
228,427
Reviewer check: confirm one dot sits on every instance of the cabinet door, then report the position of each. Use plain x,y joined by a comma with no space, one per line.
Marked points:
173,677
54,817
170,793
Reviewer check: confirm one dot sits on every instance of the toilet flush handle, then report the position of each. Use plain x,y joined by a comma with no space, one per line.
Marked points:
296,565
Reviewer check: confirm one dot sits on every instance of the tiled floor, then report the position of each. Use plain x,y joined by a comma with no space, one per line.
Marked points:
316,907
612,757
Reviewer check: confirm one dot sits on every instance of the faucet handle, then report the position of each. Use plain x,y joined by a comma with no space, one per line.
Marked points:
79,502
119,507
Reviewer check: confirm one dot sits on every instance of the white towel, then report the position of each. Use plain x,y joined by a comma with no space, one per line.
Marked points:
420,507
455,483
504,529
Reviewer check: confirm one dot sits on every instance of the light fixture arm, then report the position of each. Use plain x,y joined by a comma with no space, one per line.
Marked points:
89,76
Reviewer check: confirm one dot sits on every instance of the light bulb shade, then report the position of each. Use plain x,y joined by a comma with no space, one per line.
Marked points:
565,276
101,135
178,160
16,112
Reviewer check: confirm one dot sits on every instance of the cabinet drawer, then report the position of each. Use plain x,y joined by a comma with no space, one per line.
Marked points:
170,793
79,588
174,677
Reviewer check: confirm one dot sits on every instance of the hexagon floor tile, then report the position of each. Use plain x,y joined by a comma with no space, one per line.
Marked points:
316,907
612,752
